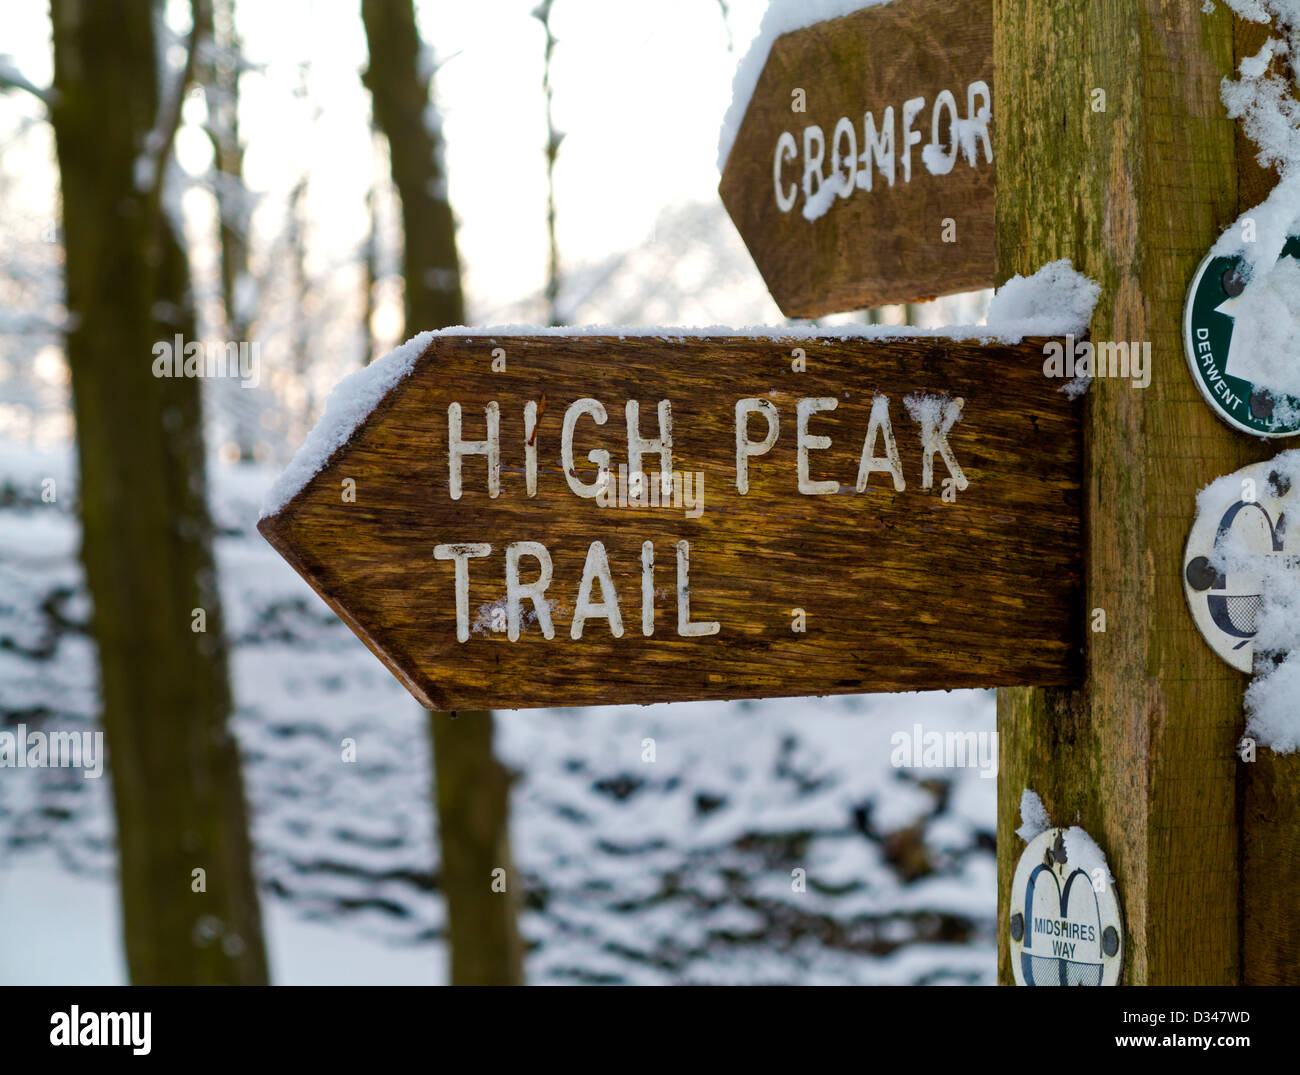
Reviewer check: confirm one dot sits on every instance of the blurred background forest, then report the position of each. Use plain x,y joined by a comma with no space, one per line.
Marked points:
322,179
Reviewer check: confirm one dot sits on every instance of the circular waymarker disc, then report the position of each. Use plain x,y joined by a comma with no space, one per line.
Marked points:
1224,376
1065,922
1252,510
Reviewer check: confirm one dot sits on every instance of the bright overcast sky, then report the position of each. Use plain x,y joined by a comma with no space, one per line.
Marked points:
640,90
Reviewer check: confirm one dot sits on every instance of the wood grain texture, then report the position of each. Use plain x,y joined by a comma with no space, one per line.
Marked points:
901,590
1143,756
885,245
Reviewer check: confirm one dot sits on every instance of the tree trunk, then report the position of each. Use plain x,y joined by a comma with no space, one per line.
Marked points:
147,536
553,139
472,787
399,89
217,72
1143,756
472,792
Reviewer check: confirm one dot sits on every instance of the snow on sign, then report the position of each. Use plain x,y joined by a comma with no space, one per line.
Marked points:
1065,922
862,170
1239,335
548,520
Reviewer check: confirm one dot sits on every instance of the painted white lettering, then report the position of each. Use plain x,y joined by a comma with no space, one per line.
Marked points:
787,149
746,447
596,569
458,448
889,463
685,627
461,556
805,409
517,592
593,407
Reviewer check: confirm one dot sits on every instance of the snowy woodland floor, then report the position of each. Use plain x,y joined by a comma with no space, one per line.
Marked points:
676,871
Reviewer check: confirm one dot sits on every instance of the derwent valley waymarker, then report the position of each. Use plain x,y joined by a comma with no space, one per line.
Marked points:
1225,367
546,520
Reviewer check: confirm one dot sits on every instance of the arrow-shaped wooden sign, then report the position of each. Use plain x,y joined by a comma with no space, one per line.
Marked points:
524,521
862,170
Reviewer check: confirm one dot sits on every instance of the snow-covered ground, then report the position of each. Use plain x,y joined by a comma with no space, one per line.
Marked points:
676,870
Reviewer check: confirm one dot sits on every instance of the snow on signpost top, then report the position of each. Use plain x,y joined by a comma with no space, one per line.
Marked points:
781,17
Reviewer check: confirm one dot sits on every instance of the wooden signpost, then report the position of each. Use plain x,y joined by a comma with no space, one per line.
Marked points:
1115,150
862,173
814,516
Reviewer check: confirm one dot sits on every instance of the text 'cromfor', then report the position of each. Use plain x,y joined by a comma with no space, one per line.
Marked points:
884,148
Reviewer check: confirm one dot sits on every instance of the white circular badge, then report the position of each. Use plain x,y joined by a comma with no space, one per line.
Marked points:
1248,509
1065,921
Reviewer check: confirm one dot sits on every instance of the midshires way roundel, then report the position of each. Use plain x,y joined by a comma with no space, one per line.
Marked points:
1065,921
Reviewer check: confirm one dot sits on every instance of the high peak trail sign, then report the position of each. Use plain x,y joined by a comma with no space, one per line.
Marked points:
546,521
862,172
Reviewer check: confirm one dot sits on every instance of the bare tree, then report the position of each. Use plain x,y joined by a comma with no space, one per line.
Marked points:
218,63
188,896
725,10
553,139
472,787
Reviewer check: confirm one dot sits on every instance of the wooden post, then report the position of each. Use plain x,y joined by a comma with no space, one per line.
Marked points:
1270,819
1144,755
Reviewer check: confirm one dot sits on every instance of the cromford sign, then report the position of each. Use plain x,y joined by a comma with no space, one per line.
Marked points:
862,172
